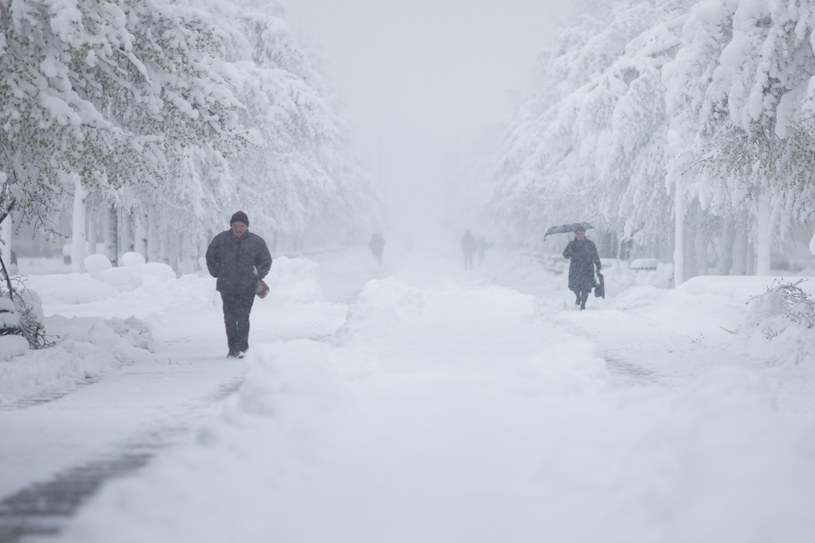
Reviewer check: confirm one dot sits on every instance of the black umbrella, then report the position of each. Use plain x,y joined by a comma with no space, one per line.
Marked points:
564,228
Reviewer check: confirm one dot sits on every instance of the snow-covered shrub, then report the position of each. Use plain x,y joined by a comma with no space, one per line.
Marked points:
9,319
96,264
784,305
156,272
132,260
22,314
780,324
122,278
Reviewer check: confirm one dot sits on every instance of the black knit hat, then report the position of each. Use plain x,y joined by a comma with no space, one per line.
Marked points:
239,216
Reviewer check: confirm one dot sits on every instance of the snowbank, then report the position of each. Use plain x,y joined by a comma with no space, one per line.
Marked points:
98,327
85,349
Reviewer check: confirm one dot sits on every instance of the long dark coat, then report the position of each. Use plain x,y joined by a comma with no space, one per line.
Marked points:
233,261
584,258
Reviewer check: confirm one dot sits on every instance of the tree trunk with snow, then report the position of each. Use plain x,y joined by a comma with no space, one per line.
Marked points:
153,236
79,243
726,243
6,235
112,235
164,247
174,257
762,245
125,232
740,244
699,247
680,210
93,237
140,234
751,258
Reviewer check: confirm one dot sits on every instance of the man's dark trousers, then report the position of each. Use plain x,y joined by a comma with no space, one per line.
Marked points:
236,318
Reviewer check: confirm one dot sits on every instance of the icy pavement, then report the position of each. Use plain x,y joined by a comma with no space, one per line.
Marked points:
57,453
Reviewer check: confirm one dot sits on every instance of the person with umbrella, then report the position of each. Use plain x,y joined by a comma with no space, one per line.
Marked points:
584,259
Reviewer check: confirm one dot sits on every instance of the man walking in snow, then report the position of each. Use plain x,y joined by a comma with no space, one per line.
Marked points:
584,259
238,259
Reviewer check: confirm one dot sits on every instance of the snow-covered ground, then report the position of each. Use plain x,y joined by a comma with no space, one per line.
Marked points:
418,402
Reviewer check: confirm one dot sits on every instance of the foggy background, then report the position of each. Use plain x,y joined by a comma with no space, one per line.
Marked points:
424,84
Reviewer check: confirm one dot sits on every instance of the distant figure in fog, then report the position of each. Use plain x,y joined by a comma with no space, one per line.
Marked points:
377,245
482,249
584,259
468,246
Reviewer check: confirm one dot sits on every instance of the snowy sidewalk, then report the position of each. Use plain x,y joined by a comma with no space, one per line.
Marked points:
462,414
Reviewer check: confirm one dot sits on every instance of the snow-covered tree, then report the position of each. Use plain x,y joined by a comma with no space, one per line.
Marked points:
111,90
590,144
737,89
296,176
171,114
293,176
700,110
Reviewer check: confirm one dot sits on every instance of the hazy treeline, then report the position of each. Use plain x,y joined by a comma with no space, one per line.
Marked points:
162,117
671,123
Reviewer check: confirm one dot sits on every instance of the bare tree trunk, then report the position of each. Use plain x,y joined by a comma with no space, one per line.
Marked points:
79,243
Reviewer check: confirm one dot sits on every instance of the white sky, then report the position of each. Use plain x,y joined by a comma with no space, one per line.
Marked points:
422,80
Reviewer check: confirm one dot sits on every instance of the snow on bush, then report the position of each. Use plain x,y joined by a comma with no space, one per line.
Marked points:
156,272
784,305
784,316
122,279
22,315
95,264
9,319
132,260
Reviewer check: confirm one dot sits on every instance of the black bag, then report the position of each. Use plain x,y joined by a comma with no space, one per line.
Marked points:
600,287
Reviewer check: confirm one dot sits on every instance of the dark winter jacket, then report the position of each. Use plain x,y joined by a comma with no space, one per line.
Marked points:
233,261
584,257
